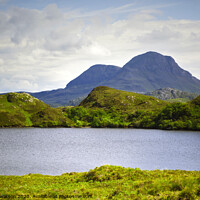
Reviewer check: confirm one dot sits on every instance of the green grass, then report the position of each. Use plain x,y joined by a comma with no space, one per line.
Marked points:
105,97
181,100
23,110
106,182
104,107
196,101
107,107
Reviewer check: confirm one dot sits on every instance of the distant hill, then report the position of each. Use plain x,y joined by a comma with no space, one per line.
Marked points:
79,87
95,75
143,73
170,93
54,98
21,110
151,71
105,97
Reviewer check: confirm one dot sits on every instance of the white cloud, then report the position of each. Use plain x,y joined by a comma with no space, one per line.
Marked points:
19,85
1,62
45,49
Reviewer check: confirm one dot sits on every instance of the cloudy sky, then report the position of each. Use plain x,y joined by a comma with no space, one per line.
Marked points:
46,43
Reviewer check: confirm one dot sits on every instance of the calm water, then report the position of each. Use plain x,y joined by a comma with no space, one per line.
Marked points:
56,151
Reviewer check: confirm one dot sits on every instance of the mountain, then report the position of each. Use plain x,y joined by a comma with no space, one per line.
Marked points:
94,76
79,87
144,73
107,98
151,71
54,98
170,93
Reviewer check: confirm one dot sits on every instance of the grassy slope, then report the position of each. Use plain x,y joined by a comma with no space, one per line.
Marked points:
106,182
21,110
140,111
104,107
105,97
181,100
195,102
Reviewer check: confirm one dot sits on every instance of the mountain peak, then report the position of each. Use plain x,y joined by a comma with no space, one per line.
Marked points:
151,71
153,62
151,58
94,75
152,53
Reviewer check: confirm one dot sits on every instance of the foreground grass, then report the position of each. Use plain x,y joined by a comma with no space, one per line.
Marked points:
106,182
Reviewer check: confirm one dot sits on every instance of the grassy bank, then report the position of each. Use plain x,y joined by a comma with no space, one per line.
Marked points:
106,182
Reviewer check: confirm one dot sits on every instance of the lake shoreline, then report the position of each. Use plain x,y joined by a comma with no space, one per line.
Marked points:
89,127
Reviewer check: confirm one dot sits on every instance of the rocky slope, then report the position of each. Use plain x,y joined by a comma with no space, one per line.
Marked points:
170,93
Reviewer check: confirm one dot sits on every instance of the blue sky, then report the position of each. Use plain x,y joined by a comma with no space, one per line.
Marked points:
46,43
179,9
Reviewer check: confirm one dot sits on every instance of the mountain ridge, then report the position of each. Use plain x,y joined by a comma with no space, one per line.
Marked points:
94,75
143,73
151,71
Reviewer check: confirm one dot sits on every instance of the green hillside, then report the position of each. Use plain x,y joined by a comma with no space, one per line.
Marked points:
23,110
105,97
106,182
127,109
104,107
196,101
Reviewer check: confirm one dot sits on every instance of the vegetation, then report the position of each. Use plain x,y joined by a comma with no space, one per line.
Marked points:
106,182
107,107
23,110
105,97
104,107
181,100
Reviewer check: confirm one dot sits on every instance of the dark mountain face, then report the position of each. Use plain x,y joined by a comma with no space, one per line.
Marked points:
94,76
143,73
79,87
151,71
